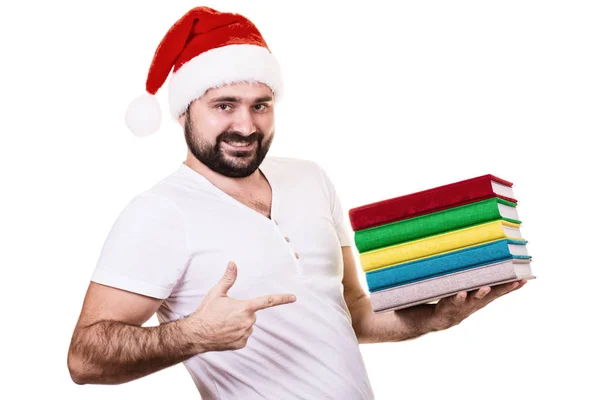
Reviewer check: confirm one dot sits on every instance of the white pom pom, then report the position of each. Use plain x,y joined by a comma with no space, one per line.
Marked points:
143,116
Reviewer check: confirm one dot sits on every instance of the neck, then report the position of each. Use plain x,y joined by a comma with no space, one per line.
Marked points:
225,183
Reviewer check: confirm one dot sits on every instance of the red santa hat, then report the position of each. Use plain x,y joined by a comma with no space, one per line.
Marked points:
204,49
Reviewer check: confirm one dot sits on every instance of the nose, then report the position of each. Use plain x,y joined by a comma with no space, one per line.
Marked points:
244,122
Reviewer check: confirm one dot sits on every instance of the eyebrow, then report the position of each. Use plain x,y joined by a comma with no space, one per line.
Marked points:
231,99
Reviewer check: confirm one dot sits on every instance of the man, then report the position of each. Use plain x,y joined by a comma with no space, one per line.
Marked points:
285,318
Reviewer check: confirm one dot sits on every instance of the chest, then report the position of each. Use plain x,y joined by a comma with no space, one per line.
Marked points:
259,202
298,247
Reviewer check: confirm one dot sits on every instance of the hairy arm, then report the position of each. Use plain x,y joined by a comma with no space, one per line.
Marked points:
109,345
371,327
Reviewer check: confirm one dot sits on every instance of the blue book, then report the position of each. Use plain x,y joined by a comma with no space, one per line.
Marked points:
459,260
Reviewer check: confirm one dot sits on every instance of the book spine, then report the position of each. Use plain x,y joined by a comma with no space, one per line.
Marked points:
437,244
420,203
438,265
424,291
428,225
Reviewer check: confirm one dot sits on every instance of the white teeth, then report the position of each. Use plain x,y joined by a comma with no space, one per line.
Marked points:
238,144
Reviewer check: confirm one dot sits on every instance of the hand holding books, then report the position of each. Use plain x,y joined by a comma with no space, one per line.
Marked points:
422,247
450,311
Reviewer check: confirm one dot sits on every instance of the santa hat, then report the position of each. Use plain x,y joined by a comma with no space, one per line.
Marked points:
205,49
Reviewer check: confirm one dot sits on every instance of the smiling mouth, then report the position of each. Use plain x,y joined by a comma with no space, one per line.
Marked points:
239,146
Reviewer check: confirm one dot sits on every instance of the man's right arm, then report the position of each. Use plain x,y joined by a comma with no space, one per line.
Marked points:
109,345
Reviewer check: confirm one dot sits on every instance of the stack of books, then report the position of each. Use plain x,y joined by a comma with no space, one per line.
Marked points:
424,246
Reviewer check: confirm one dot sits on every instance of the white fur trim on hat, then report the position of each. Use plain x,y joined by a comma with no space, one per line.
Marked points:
222,66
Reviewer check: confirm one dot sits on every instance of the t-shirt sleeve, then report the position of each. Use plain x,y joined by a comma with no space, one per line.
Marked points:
338,215
146,250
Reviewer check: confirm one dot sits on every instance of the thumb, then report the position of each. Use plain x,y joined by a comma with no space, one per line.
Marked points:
228,278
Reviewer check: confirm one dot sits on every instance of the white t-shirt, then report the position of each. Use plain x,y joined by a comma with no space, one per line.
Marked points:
173,242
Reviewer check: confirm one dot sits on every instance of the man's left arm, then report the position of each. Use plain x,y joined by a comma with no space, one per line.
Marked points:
409,323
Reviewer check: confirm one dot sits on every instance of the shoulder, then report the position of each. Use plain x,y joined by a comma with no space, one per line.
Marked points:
149,208
155,201
164,195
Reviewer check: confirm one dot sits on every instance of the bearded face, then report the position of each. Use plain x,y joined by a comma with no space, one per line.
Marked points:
230,129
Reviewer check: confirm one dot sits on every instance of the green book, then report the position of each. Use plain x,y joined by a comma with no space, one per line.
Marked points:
436,223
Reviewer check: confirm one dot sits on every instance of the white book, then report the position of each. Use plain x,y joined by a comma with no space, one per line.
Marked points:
433,289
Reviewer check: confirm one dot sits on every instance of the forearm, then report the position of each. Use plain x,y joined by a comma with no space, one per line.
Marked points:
391,326
110,352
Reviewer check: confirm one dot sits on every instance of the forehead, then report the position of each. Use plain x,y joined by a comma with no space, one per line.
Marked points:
247,91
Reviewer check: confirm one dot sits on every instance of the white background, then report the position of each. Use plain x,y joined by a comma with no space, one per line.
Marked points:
389,97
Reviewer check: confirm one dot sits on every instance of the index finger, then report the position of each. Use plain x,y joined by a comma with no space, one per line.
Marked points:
272,300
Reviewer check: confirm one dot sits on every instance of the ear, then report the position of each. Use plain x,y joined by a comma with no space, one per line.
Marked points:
181,118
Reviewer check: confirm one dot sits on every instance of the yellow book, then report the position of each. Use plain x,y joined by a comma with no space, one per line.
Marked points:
439,244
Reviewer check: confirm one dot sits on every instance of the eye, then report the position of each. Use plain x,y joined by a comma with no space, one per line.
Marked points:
224,107
260,107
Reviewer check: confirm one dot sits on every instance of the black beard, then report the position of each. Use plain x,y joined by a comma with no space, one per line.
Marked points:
213,158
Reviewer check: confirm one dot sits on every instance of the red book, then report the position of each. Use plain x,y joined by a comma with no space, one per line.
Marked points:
430,200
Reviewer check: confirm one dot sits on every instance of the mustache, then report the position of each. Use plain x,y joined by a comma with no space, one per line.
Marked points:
231,136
